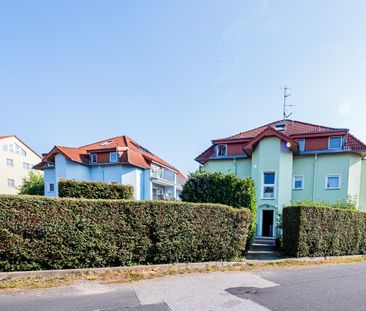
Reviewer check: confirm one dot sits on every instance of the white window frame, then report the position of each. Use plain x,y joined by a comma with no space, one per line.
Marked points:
92,158
329,138
302,182
269,185
303,140
10,160
110,157
13,185
49,187
217,150
339,181
27,166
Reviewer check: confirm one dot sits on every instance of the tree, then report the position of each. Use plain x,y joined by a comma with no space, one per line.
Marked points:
33,184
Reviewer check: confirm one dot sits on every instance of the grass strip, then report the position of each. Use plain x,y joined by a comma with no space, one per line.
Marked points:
128,276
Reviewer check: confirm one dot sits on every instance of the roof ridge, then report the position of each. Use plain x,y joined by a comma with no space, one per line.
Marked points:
253,129
240,134
59,146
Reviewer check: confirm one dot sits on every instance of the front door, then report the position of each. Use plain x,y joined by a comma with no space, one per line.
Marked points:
267,223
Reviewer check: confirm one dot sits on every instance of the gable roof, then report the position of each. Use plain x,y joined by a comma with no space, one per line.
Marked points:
129,151
291,131
269,131
293,127
8,136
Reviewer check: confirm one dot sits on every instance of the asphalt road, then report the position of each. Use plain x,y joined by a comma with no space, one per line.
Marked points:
341,287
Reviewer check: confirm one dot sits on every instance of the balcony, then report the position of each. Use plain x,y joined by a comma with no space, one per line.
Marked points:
163,174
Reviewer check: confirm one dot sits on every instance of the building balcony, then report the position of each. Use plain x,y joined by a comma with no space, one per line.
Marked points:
163,174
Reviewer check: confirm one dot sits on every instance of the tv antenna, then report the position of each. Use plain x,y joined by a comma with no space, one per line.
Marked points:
286,114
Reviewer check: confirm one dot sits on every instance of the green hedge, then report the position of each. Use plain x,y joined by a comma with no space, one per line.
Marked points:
320,231
54,233
94,190
228,189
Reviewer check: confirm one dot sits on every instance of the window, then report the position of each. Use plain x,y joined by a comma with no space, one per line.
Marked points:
11,183
26,166
93,158
221,150
10,162
268,190
298,183
335,142
333,181
51,187
14,148
113,157
301,143
280,126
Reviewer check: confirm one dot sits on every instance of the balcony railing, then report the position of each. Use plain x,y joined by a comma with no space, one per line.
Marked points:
163,173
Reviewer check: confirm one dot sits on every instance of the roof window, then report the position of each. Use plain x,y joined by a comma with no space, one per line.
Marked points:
280,126
106,143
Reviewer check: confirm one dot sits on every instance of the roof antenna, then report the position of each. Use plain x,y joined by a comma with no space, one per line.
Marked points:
286,115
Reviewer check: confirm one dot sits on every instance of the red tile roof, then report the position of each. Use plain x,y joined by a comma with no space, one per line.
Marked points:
292,130
129,151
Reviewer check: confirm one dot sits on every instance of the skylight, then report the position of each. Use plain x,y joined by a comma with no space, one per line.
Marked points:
106,143
280,126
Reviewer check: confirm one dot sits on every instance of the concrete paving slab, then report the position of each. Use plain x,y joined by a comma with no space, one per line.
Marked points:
204,292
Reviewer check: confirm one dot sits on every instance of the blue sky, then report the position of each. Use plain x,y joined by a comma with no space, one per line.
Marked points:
175,74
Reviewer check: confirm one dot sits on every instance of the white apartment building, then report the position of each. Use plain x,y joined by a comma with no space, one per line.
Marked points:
16,161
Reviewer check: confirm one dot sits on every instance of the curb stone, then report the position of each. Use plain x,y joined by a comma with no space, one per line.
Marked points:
179,266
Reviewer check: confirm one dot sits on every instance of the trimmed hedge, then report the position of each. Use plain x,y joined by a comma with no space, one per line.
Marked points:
53,233
320,231
228,189
94,190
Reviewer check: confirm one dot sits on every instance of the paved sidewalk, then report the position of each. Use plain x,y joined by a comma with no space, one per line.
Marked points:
198,292
322,288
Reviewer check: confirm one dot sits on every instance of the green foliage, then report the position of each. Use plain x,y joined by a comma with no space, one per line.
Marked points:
94,190
33,184
310,231
228,189
56,233
348,203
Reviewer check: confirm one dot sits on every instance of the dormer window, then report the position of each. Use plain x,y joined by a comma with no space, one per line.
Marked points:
113,157
93,158
335,142
221,150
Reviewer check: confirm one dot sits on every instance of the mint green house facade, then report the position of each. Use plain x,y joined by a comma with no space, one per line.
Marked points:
291,161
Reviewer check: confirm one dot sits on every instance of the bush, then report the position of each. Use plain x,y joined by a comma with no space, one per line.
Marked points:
54,233
320,231
94,190
228,189
33,184
348,203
